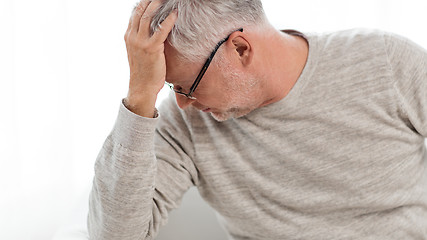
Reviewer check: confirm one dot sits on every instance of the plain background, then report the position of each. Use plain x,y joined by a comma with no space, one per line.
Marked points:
63,72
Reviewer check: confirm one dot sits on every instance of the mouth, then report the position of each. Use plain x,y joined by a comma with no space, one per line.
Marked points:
206,110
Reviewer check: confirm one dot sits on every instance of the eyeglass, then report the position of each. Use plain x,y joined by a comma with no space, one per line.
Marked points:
178,89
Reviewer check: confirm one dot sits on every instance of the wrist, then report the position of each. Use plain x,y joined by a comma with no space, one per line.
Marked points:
144,106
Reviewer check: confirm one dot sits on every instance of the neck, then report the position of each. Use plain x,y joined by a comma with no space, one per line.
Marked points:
285,58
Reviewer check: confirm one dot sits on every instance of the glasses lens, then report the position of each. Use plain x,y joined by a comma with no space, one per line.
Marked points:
176,89
179,90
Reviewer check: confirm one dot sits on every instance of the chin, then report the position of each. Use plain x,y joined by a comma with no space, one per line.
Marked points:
232,113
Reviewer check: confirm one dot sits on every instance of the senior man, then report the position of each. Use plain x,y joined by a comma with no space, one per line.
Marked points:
287,135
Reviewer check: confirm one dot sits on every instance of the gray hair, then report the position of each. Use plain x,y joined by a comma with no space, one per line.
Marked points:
201,24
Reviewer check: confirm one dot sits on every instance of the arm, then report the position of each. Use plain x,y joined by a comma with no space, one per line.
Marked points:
408,63
140,174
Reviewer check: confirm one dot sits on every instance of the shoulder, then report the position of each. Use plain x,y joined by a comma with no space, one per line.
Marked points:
346,49
401,49
360,37
357,37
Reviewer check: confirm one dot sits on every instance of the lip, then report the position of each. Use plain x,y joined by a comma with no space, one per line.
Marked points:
207,110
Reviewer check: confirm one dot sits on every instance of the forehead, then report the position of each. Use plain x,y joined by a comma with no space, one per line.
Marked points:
178,70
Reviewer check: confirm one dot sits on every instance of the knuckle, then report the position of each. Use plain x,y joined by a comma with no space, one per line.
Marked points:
138,10
133,42
130,38
147,46
138,44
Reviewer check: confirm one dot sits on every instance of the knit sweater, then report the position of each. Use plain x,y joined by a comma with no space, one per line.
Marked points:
342,156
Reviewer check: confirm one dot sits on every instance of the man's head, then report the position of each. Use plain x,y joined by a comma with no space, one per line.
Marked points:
202,23
231,86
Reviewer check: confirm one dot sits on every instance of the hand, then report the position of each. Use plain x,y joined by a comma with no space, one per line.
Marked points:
146,57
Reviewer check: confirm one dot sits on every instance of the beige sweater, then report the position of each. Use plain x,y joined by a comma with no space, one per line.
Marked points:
341,157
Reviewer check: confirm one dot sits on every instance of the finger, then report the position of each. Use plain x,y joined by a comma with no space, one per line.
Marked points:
165,27
144,25
137,13
128,29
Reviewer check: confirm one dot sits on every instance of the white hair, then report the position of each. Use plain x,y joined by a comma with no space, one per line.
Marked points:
201,24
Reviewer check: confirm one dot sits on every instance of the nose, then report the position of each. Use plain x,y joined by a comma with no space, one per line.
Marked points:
183,101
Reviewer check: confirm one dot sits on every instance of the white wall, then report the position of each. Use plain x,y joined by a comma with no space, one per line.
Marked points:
63,71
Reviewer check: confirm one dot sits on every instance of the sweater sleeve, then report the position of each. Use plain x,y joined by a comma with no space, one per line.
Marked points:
141,173
408,62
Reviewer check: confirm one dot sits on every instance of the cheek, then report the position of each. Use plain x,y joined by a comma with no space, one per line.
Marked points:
211,88
235,83
223,87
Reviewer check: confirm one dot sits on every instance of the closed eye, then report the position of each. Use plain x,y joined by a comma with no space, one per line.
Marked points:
177,88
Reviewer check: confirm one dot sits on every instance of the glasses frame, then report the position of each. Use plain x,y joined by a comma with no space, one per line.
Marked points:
204,68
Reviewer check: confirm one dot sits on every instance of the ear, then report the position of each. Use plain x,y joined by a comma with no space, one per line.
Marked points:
241,48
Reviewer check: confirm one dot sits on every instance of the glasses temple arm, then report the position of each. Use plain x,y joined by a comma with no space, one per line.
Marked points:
208,61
